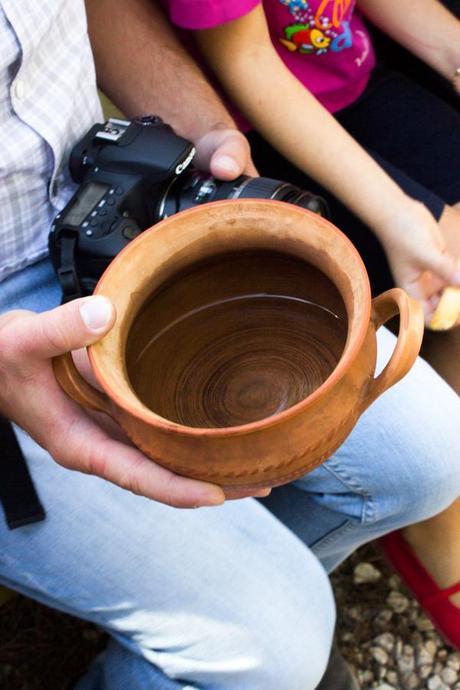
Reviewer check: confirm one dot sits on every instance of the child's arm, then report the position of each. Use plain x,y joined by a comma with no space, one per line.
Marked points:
424,27
295,123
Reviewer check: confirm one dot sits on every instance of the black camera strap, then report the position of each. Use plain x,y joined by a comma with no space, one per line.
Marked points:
66,270
18,496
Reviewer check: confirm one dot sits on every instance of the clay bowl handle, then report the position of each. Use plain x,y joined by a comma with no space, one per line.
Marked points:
73,383
411,325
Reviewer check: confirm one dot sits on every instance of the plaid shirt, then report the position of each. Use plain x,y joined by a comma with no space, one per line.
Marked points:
48,99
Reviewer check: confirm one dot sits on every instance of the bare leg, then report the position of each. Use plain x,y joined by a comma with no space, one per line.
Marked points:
442,351
437,544
437,541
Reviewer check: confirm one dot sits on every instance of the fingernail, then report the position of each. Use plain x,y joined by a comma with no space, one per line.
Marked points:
228,164
96,313
263,493
213,500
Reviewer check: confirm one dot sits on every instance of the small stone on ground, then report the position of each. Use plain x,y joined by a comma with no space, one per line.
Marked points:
384,634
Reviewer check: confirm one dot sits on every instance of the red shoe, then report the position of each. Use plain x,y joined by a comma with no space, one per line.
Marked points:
433,599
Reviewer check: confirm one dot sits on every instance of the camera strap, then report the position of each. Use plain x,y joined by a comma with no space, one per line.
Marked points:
66,270
18,495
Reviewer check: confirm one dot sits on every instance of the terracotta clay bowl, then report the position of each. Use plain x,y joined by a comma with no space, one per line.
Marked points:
244,348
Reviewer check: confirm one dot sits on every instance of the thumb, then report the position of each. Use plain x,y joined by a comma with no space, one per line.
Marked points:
446,267
68,327
232,157
225,153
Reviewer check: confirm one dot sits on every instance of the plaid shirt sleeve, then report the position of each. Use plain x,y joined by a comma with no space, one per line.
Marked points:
48,99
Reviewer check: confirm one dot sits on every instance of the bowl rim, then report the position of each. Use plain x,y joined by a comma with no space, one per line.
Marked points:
351,350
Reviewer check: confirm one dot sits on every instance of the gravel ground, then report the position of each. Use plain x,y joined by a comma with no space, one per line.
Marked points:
381,631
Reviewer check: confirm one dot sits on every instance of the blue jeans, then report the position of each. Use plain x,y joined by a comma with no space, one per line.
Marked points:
235,596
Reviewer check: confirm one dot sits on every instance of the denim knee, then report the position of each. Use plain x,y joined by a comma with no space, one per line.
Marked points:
290,640
282,650
401,463
287,645
301,668
279,637
423,475
420,472
415,486
429,484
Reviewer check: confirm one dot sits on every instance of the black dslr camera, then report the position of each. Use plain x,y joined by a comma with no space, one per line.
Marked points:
133,174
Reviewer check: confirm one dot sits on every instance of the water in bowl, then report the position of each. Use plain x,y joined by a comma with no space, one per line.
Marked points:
236,339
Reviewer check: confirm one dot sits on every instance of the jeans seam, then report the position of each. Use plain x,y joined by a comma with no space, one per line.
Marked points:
368,517
332,467
328,539
369,511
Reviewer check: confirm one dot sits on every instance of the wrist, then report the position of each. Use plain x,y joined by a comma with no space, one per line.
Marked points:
449,66
407,212
203,125
211,127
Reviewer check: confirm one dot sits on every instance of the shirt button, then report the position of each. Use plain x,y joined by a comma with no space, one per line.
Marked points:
19,89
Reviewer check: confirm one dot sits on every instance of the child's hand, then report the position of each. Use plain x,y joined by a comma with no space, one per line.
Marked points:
449,224
418,256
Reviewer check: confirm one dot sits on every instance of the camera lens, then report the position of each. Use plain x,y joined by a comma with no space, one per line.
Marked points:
195,188
266,188
304,199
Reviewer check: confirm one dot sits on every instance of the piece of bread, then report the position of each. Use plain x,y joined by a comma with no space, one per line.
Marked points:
447,314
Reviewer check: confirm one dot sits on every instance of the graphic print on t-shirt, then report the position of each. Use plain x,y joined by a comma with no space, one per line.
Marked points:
319,27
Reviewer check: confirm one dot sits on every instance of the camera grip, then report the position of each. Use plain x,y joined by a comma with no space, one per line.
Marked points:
77,388
411,328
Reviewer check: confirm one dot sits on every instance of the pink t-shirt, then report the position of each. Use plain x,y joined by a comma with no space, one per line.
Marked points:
324,43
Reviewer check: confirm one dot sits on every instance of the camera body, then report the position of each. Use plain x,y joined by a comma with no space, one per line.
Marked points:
133,174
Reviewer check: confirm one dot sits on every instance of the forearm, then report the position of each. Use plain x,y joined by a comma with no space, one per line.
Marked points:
297,125
143,68
425,27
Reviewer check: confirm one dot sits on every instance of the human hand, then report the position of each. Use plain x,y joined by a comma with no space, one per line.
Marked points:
419,258
447,314
225,153
31,397
449,225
